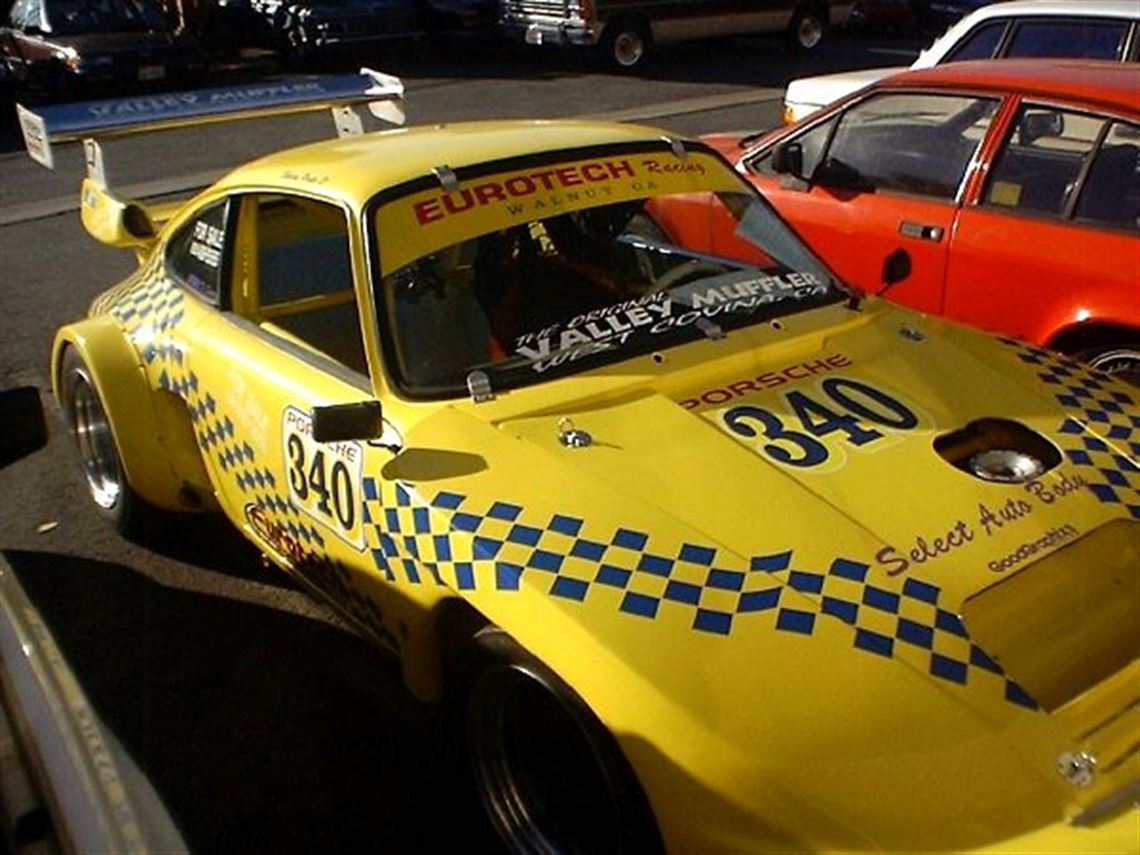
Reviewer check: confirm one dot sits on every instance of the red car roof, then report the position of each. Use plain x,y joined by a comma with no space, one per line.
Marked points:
1113,84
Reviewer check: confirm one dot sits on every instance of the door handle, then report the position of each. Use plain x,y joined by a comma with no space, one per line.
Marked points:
920,231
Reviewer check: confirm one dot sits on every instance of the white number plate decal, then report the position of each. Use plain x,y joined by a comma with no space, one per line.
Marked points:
324,478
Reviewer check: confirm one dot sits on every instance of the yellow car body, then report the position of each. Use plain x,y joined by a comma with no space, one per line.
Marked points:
757,556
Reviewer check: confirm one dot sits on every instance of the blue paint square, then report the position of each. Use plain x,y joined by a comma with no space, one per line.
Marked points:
950,622
486,547
571,589
759,601
613,576
806,582
846,611
465,522
922,591
772,563
588,549
639,604
656,565
873,642
565,525
915,633
683,592
544,560
884,601
410,571
1017,695
982,660
504,511
525,535
630,539
948,669
845,569
725,580
465,576
442,545
451,501
708,620
793,620
697,554
421,521
507,576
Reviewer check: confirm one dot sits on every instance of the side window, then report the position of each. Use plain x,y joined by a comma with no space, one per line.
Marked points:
197,255
1074,38
980,43
304,291
1111,194
906,142
1038,167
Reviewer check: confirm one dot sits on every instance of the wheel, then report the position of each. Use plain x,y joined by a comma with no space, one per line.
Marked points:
98,452
1122,361
625,44
542,762
807,28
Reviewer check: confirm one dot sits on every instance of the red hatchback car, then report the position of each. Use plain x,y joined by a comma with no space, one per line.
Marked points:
1013,186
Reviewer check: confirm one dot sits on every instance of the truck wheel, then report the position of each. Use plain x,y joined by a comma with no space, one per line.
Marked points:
807,28
625,44
551,777
98,451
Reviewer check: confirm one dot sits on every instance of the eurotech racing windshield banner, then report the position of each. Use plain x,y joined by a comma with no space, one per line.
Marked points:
415,225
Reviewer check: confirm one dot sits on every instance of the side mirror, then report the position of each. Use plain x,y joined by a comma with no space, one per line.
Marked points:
788,159
1043,123
25,430
343,422
896,268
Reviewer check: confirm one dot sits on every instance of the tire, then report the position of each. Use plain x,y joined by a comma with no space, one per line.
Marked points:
1121,361
625,44
99,458
808,28
542,761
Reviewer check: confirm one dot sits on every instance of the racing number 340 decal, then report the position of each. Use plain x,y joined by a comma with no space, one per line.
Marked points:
850,408
324,478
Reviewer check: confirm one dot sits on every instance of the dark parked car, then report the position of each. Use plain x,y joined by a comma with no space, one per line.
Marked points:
71,48
318,28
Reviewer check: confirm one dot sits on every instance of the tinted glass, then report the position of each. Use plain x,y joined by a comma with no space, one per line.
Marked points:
1085,39
978,44
564,266
906,142
302,250
197,254
1111,195
1038,168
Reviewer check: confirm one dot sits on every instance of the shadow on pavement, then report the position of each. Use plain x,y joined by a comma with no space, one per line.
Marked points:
261,730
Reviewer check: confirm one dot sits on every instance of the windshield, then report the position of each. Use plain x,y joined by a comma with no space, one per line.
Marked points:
71,17
522,275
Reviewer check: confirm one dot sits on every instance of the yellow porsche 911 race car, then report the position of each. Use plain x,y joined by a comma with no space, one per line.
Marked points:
711,553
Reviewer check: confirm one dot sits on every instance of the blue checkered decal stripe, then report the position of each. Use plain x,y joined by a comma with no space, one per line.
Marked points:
1101,435
448,541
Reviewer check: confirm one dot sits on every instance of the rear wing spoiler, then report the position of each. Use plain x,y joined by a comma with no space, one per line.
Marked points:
91,121
127,223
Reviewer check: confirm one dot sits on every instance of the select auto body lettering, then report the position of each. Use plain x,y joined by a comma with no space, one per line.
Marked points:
988,521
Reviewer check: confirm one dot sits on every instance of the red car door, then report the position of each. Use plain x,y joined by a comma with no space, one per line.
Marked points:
883,173
1053,243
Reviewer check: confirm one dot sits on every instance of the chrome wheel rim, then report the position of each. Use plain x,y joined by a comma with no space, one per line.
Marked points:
628,49
810,32
96,444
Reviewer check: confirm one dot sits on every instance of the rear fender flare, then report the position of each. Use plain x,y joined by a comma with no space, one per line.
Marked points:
152,428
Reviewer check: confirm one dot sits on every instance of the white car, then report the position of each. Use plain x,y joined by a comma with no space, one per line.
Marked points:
1089,29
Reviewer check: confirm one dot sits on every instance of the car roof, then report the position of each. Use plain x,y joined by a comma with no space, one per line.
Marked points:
1100,82
355,168
1089,8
